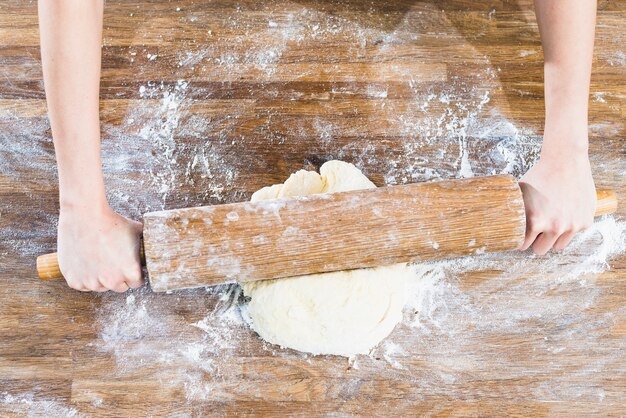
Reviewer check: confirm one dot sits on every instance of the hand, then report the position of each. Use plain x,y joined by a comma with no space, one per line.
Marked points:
98,249
560,199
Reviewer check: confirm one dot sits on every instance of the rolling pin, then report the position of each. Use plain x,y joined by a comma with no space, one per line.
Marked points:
210,245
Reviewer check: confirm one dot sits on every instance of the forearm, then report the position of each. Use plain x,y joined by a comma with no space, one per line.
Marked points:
567,35
71,38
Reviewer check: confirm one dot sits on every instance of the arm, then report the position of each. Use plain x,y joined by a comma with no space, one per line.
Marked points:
98,249
559,191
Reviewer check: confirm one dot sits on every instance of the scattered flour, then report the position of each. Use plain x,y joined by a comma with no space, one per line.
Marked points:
173,166
194,340
617,59
28,405
456,326
451,326
146,333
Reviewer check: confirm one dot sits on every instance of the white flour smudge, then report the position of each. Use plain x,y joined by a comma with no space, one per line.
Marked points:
145,332
170,166
27,160
29,405
617,59
455,326
470,141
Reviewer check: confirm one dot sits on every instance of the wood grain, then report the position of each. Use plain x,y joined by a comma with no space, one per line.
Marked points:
196,247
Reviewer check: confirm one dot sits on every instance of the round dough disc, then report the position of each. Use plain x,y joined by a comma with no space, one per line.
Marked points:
342,313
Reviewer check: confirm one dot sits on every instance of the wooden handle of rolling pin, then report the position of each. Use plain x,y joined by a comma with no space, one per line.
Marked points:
48,265
607,202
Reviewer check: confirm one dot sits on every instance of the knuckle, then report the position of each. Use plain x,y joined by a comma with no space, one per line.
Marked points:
75,284
556,227
109,282
536,228
533,219
537,224
136,284
114,282
98,287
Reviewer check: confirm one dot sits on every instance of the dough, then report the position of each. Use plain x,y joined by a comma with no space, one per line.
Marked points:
342,313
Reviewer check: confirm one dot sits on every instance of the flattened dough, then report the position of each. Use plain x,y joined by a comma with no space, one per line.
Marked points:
342,313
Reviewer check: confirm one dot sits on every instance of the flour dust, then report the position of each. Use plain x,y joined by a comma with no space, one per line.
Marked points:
456,325
33,406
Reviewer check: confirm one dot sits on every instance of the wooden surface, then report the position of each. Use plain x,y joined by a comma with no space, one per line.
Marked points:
239,242
208,103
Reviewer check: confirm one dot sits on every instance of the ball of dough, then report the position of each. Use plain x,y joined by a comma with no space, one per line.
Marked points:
342,313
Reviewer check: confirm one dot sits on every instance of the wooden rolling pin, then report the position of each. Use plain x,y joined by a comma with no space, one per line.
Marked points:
204,246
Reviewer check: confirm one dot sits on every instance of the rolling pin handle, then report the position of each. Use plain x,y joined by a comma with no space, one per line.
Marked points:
48,265
607,202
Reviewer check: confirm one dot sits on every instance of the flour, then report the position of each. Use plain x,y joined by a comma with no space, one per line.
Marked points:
143,332
617,59
445,322
26,153
34,406
453,325
471,141
153,128
166,151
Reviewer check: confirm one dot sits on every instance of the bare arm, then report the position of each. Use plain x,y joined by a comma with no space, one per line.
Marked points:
71,37
559,191
567,32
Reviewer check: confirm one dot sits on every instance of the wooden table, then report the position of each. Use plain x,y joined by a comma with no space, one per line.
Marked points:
204,102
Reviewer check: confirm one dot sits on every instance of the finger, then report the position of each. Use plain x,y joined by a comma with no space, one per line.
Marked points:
531,236
564,240
76,285
91,288
110,282
96,286
135,284
133,277
532,232
544,242
121,288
